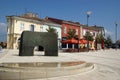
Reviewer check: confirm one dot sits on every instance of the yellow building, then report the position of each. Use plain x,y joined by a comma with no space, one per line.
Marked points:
27,22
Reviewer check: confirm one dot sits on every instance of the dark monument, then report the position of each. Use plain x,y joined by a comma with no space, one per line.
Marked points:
31,39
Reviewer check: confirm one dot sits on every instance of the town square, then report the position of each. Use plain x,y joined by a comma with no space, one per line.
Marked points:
59,40
106,64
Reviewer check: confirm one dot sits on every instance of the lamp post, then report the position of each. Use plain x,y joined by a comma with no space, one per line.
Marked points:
116,24
88,15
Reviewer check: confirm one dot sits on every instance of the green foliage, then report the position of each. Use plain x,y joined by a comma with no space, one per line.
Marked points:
99,38
50,29
72,34
108,41
88,36
3,45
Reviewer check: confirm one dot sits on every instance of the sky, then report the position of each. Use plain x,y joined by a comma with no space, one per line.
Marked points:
103,12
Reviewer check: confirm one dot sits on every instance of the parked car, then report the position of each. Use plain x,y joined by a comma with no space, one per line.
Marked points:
114,46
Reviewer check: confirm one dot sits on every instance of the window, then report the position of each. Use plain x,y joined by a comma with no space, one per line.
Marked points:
93,33
65,30
32,28
41,28
76,31
21,26
84,32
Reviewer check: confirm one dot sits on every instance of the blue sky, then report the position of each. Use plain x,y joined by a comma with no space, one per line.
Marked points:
104,12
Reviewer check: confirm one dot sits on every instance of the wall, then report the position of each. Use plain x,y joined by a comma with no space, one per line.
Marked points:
69,26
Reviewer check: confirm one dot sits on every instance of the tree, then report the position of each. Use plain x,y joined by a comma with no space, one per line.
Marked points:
108,41
88,36
99,38
72,34
50,29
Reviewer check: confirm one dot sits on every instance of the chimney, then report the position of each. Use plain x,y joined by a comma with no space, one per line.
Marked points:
33,15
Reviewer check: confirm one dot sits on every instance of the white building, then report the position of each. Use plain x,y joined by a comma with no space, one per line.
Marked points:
94,30
27,22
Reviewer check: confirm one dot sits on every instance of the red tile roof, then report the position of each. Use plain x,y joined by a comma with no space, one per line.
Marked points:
60,21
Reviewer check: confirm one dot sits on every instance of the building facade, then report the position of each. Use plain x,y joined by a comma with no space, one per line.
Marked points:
80,29
95,31
27,22
31,22
66,26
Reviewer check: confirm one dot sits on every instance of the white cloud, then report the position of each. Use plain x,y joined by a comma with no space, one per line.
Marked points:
3,24
3,27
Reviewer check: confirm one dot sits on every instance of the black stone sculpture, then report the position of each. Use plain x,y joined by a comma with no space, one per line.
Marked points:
31,39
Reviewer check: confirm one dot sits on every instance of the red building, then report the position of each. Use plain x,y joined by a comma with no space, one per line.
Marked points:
80,29
66,26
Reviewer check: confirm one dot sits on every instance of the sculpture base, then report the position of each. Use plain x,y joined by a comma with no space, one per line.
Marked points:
40,70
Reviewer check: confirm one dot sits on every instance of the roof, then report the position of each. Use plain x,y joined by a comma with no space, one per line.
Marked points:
96,28
60,21
35,18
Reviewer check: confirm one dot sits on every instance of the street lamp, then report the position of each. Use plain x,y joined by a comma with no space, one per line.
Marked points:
88,15
116,24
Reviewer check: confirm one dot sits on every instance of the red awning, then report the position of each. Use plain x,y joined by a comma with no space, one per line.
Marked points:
82,41
71,41
74,41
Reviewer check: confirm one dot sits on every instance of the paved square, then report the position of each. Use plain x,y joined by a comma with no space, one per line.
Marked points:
107,63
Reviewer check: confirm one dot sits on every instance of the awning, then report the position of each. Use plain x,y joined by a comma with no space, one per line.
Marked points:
71,41
82,41
74,41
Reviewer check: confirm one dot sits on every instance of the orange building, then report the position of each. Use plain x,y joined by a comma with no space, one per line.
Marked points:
66,26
